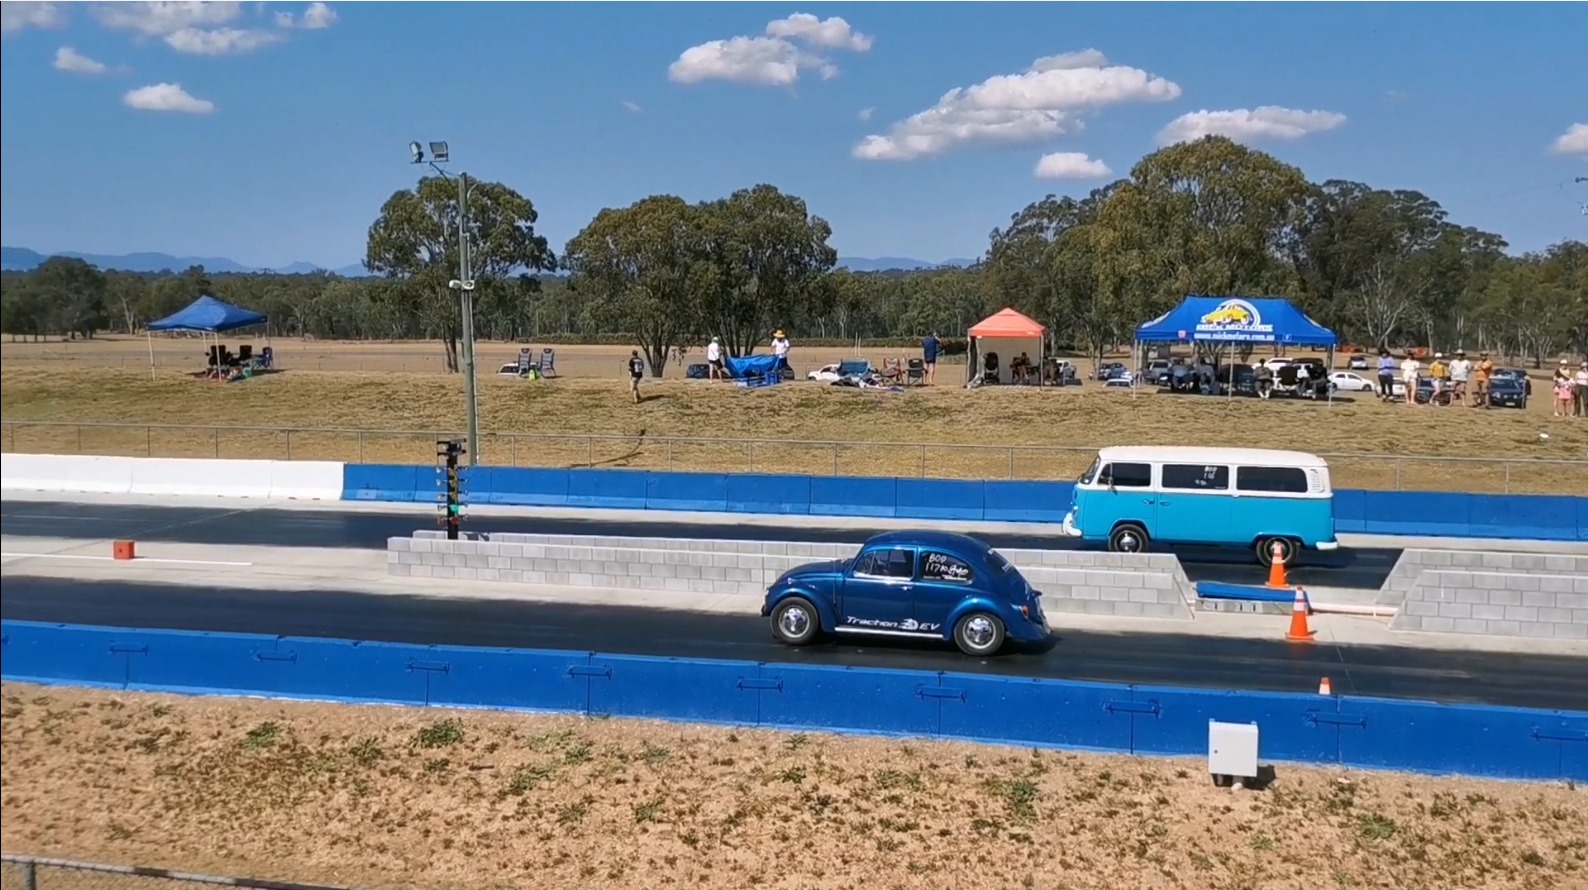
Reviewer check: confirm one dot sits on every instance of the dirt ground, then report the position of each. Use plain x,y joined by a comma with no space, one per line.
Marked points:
379,797
1006,432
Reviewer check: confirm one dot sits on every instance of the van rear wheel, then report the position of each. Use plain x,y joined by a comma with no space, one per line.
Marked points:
1128,537
1287,551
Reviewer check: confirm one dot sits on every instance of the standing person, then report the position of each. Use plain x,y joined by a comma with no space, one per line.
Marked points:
1480,381
1386,375
1580,385
636,371
714,359
1565,390
780,349
929,348
1460,371
1439,373
1411,369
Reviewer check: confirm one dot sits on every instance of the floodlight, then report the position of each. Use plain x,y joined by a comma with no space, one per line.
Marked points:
439,153
417,152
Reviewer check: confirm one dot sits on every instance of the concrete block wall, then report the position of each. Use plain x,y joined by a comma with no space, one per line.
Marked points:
1500,603
1127,585
1413,563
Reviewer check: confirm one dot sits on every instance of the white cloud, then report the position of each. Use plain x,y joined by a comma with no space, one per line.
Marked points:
218,41
1574,141
1071,165
631,107
1047,99
790,46
16,15
1248,125
316,17
833,33
157,19
866,113
166,97
68,59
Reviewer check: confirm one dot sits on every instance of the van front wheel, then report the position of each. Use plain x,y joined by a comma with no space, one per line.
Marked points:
1128,537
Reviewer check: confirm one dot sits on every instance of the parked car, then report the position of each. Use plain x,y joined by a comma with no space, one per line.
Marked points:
836,371
1109,370
1357,362
1238,497
1516,374
1345,381
1509,391
1157,373
911,584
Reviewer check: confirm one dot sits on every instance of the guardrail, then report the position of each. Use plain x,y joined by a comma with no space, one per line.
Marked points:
40,873
1346,731
1382,472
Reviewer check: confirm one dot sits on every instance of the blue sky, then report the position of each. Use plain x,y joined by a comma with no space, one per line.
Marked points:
292,120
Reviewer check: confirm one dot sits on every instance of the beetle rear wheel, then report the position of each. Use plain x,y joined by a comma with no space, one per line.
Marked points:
979,634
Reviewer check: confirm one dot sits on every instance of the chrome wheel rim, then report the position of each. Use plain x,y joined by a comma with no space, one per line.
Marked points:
1129,543
794,621
979,632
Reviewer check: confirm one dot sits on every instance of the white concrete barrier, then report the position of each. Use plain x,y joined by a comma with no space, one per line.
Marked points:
55,472
306,480
299,480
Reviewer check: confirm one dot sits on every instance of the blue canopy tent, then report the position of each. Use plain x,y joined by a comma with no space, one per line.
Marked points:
1236,321
754,370
206,315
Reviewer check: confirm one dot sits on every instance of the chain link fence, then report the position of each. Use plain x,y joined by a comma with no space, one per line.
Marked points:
33,873
1381,472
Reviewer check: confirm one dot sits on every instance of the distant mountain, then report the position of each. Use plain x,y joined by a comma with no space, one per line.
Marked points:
894,263
21,259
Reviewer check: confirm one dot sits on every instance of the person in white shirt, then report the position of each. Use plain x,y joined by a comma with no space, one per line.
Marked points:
780,348
1460,371
1580,382
1410,369
714,359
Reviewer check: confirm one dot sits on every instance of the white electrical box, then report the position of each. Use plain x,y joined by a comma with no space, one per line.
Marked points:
1232,751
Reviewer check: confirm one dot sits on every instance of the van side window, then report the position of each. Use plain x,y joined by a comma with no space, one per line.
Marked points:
1196,478
1282,480
1127,475
886,563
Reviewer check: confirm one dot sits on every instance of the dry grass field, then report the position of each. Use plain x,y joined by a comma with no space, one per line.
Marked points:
1012,432
380,797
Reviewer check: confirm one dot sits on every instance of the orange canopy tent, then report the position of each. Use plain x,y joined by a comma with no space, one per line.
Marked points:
1011,333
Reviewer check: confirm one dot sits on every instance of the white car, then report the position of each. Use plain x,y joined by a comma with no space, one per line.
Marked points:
1345,381
855,367
824,374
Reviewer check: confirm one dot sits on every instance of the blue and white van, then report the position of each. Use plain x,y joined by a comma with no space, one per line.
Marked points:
1243,497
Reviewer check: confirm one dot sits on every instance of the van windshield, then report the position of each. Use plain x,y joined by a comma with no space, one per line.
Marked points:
1090,476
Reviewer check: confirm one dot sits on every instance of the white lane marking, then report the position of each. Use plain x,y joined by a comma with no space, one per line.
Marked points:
186,562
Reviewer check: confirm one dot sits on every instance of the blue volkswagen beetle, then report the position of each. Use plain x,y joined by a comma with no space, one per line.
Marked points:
918,584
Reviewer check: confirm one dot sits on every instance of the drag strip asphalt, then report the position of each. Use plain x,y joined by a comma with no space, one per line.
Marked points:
1364,568
1522,680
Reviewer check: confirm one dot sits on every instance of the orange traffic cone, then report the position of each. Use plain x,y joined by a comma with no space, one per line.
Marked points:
1325,687
1299,631
1276,566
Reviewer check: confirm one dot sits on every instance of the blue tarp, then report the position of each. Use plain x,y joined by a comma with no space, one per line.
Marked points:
1235,320
209,315
751,365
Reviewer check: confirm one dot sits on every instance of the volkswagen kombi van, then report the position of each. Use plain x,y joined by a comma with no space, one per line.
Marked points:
1240,497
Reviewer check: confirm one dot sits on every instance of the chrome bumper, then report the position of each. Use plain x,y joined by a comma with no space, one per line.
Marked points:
1069,528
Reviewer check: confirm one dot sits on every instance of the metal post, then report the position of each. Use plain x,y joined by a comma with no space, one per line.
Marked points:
30,876
467,308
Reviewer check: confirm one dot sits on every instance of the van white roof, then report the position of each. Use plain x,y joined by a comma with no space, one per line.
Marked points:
1194,454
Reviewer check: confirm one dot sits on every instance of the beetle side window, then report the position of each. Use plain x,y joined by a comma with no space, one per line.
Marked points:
1126,475
942,567
1282,480
1190,477
883,563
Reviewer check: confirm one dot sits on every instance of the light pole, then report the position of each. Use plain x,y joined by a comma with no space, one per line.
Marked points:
463,284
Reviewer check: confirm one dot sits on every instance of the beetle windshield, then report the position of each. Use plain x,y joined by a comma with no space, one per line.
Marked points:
1091,472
